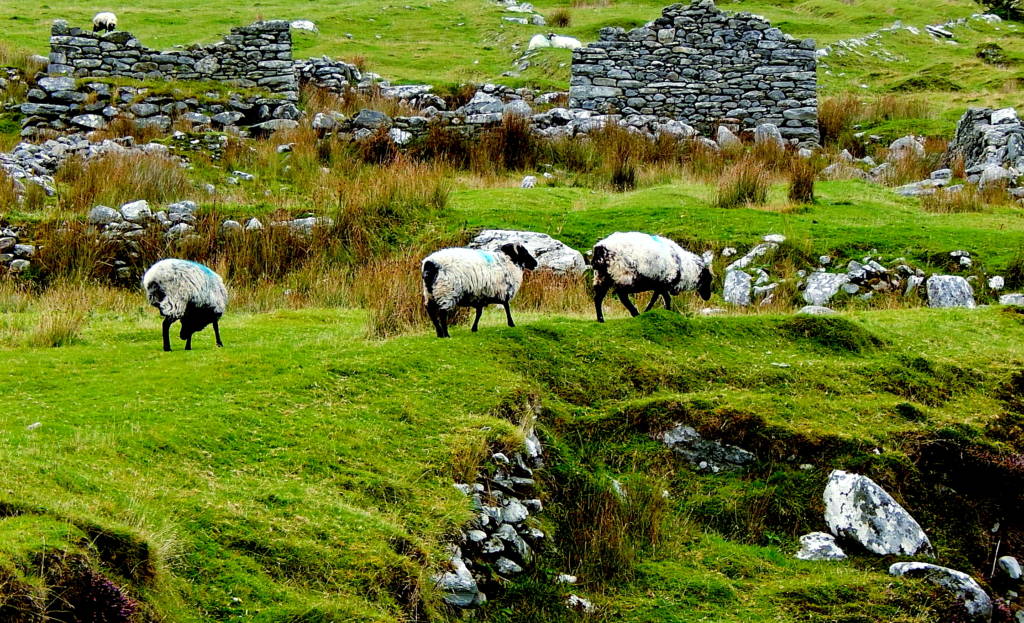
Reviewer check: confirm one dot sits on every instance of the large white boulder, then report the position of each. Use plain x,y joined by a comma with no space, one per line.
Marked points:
821,287
949,291
550,253
976,601
858,509
736,289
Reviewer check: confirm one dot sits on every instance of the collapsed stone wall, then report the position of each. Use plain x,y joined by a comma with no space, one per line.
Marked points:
702,66
258,55
62,103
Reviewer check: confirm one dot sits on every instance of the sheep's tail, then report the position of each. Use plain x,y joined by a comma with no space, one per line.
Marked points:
430,270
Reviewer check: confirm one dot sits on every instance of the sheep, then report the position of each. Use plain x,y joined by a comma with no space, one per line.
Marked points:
104,21
633,262
472,278
188,292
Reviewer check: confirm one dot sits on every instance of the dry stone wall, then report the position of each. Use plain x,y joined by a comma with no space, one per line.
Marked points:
702,66
254,56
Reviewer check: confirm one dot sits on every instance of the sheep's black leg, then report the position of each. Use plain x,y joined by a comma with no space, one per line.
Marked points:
654,299
668,299
442,319
432,312
624,297
508,314
167,334
599,293
188,342
476,321
216,333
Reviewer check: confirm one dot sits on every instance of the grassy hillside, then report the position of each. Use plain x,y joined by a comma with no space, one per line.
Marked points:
277,478
303,473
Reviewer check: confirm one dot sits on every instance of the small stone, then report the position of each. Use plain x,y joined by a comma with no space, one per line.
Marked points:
136,211
976,601
819,546
507,568
230,225
577,603
1009,566
102,215
528,182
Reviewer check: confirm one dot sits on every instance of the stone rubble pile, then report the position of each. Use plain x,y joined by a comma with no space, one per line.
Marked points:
35,163
501,541
15,257
705,455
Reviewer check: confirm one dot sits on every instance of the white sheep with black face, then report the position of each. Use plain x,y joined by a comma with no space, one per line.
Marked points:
460,277
631,262
187,292
104,21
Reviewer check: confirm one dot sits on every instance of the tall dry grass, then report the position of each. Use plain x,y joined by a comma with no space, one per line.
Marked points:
548,291
55,316
115,178
802,174
838,114
509,146
8,195
744,183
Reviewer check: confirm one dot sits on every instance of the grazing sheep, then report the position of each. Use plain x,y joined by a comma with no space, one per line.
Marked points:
104,21
633,262
460,277
188,292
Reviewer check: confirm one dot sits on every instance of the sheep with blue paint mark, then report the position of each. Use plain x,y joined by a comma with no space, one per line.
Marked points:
189,293
460,277
631,262
104,21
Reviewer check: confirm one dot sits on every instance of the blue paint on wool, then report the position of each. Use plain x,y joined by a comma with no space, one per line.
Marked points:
205,268
488,257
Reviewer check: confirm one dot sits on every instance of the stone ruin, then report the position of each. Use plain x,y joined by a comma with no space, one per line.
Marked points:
704,67
258,55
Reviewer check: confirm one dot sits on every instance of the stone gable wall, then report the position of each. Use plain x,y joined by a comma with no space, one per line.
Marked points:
254,56
703,66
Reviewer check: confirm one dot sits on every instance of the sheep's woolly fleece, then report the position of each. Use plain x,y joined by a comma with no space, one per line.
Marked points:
471,277
105,20
172,284
635,256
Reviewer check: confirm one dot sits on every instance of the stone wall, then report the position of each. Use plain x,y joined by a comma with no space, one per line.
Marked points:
62,103
702,66
258,55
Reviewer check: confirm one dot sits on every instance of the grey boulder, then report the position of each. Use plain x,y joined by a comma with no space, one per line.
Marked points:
858,509
705,454
550,253
821,287
949,291
737,288
458,586
976,601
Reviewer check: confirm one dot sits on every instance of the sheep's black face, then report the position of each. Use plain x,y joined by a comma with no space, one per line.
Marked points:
704,283
519,256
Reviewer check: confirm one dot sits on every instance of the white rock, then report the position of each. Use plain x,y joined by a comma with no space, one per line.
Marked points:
1003,115
1010,567
528,182
737,288
549,252
856,508
996,282
819,546
725,139
565,578
821,287
253,224
304,24
136,211
458,585
906,146
1011,299
949,291
976,601
816,310
575,602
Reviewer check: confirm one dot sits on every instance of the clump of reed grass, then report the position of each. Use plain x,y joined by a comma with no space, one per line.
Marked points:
802,174
560,18
114,178
744,183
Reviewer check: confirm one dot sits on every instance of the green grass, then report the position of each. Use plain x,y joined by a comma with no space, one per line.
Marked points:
281,469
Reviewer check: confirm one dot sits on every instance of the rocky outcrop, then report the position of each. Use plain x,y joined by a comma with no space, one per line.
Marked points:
858,509
705,454
701,66
976,601
549,253
986,138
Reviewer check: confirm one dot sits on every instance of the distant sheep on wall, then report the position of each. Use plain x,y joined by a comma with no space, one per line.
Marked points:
104,21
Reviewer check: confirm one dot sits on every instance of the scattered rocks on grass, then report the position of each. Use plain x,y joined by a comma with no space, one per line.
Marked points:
705,454
819,546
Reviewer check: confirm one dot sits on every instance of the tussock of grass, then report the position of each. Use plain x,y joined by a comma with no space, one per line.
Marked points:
743,184
114,179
